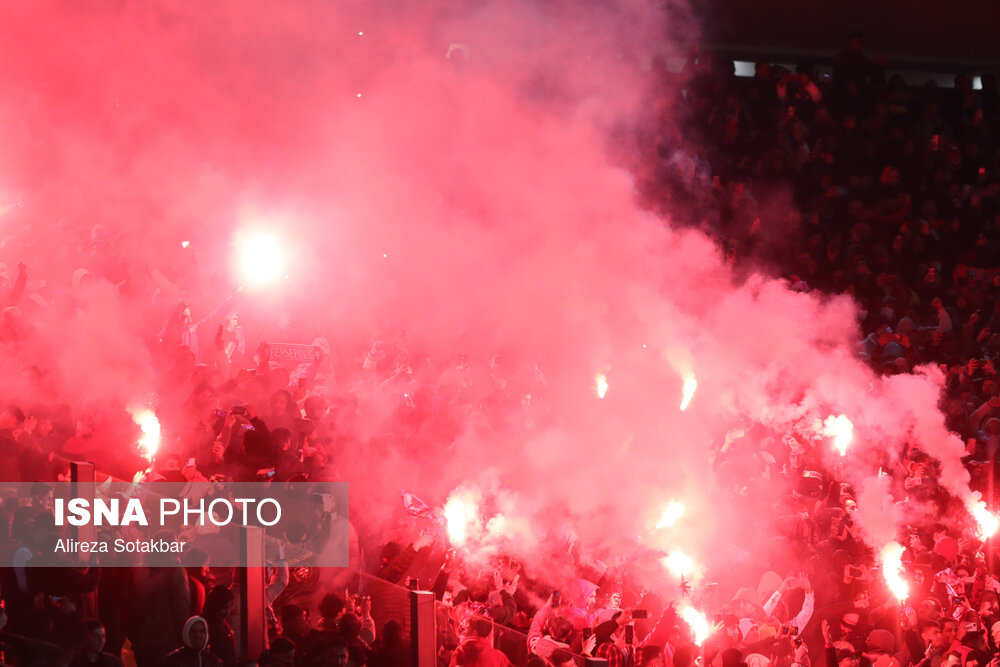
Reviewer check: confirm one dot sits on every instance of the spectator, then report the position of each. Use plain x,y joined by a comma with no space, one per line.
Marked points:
196,564
650,656
194,652
350,631
93,654
221,641
605,632
295,625
476,650
280,654
160,602
338,653
390,649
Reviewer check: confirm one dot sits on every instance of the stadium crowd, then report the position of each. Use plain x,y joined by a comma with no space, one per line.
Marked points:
854,183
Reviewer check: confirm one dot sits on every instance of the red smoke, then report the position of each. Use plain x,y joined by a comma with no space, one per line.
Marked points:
469,202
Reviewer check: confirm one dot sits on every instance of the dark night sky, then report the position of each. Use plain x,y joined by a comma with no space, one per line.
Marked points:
967,31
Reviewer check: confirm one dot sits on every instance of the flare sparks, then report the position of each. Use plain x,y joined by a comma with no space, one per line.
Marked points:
697,622
601,385
673,512
149,442
841,430
690,386
892,569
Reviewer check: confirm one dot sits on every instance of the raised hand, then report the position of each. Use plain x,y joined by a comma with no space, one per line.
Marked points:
425,540
511,587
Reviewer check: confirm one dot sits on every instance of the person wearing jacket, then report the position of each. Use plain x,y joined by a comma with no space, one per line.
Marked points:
605,638
805,611
395,563
195,652
93,654
583,596
221,641
181,330
554,628
476,650
160,603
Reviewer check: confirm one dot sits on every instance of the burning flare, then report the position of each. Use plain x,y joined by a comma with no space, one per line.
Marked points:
841,430
892,569
673,512
690,386
697,622
601,385
986,520
150,425
679,564
261,259
459,516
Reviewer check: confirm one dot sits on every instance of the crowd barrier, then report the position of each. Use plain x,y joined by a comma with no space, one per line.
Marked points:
428,629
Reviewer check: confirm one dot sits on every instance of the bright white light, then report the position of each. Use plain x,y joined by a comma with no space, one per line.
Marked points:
841,430
361,33
690,386
359,94
262,260
460,515
150,425
892,568
679,564
987,522
671,514
697,622
744,68
601,385
185,244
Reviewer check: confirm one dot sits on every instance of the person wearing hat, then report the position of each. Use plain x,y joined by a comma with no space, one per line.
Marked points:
879,648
